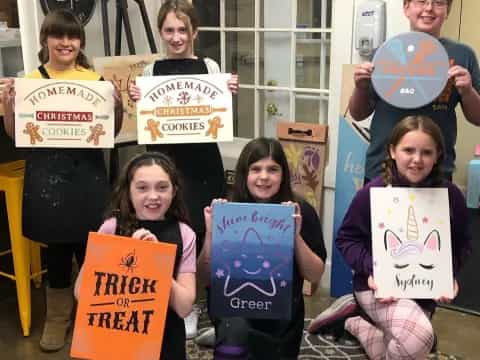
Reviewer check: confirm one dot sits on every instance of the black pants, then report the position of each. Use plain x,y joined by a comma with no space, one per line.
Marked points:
59,263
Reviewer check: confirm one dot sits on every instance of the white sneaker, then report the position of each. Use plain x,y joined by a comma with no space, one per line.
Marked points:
191,322
206,337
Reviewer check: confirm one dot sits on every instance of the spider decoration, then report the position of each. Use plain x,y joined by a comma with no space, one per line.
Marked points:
129,261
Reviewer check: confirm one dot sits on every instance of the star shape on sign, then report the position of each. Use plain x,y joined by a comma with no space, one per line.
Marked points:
220,273
256,270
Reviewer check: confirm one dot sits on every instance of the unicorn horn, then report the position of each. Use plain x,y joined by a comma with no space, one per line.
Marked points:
412,227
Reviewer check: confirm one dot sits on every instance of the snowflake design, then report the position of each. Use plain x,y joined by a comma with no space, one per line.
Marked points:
183,98
198,99
167,100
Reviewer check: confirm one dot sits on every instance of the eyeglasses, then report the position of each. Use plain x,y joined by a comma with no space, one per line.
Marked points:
438,4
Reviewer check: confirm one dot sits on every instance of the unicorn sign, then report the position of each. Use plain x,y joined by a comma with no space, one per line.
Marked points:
411,243
252,260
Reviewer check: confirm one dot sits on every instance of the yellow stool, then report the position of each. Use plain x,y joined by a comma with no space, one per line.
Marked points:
25,253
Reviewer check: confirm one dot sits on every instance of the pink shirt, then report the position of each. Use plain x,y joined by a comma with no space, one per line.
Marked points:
188,263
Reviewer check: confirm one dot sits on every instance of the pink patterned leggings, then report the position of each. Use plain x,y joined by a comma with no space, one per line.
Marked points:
402,328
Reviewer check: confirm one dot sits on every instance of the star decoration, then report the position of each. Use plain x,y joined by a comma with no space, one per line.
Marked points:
381,225
412,197
283,283
220,273
425,220
389,212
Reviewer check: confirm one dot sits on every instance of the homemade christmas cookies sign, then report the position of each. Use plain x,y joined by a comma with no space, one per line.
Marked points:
123,298
64,114
184,109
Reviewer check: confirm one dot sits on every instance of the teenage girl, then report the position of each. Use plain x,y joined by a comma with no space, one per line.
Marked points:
65,190
200,164
147,203
262,176
399,328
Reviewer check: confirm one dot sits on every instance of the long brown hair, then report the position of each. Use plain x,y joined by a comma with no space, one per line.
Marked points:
256,150
412,123
59,23
121,206
183,10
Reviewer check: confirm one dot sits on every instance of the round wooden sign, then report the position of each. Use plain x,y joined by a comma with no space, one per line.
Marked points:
410,70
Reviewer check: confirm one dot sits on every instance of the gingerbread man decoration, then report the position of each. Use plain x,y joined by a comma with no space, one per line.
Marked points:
95,133
32,130
215,124
152,126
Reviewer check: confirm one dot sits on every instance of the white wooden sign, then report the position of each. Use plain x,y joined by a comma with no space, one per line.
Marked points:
64,113
411,242
184,109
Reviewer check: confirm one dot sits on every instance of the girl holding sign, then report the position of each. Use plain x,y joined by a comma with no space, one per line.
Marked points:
65,190
200,164
262,176
147,204
399,328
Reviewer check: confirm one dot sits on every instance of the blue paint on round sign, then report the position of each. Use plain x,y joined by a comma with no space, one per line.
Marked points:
410,70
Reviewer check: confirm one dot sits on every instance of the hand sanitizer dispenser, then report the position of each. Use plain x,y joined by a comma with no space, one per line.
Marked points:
473,185
370,27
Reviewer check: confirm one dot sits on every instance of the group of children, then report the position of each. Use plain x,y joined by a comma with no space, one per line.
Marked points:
166,194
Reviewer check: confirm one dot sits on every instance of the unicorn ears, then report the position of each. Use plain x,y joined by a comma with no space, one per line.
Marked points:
432,242
391,240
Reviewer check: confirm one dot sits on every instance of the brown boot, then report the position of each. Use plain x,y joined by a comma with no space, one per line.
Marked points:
57,321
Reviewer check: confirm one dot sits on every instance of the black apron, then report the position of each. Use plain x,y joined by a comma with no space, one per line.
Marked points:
65,192
201,165
173,345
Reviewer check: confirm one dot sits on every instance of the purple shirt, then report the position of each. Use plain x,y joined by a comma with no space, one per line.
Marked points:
354,238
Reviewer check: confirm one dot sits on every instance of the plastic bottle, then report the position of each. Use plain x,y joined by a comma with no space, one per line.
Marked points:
473,184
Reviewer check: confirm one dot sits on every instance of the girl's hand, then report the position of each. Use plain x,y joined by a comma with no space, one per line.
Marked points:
448,300
134,91
144,234
362,75
461,78
297,215
208,212
232,84
373,286
8,93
